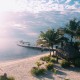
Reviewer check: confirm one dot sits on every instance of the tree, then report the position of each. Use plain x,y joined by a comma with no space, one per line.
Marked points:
62,38
72,29
49,38
78,31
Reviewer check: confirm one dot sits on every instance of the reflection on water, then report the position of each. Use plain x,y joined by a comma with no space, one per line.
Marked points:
10,51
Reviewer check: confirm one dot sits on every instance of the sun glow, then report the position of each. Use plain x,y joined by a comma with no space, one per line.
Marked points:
16,5
25,5
11,5
6,5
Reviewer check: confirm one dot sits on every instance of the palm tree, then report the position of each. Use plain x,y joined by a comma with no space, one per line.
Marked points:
49,38
43,43
62,38
72,28
78,31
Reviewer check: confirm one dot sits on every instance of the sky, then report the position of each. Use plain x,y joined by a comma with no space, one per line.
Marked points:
24,19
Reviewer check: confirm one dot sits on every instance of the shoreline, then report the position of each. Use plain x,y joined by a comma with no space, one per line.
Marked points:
20,70
15,59
22,59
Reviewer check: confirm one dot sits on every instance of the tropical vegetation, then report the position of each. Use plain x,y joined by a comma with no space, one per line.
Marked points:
35,71
49,66
65,64
73,29
53,37
4,77
48,38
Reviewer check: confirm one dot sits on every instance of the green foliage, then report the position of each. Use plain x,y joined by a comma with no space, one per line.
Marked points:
45,58
48,59
6,78
11,78
65,64
38,64
76,45
52,60
73,28
37,71
49,66
66,79
48,38
77,62
54,71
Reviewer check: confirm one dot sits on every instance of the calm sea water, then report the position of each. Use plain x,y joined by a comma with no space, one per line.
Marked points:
10,51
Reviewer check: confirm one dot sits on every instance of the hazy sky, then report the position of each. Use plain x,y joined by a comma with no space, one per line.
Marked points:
24,19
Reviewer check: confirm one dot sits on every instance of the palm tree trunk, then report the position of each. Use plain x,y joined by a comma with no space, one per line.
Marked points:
53,50
56,54
71,39
57,59
50,51
61,44
53,53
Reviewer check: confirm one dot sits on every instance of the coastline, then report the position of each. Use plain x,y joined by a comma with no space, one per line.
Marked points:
9,62
20,70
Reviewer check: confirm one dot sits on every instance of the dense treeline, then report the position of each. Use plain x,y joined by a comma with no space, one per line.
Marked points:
52,36
69,35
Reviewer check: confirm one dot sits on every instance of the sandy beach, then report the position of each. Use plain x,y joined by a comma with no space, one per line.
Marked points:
20,70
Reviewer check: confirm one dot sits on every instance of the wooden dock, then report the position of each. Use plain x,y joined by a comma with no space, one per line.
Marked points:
36,47
28,45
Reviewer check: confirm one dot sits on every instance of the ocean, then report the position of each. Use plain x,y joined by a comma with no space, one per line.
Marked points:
9,50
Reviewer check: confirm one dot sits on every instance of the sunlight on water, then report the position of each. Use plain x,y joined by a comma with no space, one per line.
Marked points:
10,34
8,41
10,51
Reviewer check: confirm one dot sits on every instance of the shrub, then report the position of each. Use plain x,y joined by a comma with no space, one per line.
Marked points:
11,78
54,71
45,58
38,64
34,71
6,78
42,71
65,64
66,79
49,66
37,71
77,62
52,60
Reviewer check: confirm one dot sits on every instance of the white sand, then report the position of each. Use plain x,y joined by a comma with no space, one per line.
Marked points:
20,70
